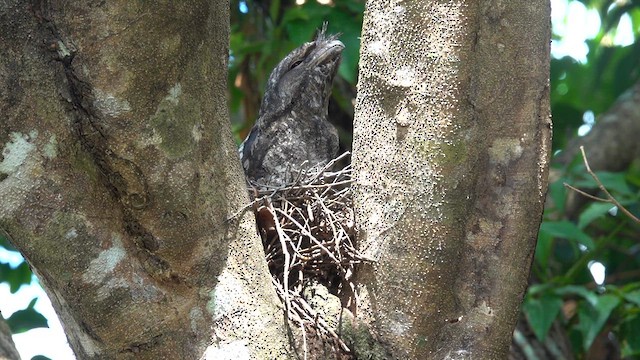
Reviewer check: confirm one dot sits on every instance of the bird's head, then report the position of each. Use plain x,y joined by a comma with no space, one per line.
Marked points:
304,77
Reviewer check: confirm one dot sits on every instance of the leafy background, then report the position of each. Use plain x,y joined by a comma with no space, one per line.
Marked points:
585,281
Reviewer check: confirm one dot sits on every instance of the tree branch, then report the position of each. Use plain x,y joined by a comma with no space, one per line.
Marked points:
609,199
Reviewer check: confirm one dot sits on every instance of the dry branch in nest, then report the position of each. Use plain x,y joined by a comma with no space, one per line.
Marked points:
308,232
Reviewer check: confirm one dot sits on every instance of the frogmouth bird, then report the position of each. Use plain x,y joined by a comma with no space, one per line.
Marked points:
292,133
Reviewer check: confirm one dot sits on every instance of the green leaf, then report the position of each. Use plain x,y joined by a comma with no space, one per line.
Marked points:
581,291
631,287
294,13
355,6
630,341
558,193
536,289
40,357
633,297
543,249
615,183
593,317
567,230
633,173
274,10
592,212
26,319
349,28
256,47
541,313
17,277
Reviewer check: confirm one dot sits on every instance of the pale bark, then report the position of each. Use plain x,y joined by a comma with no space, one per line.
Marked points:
451,146
119,176
8,349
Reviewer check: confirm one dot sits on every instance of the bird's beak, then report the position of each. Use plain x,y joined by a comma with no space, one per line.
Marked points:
327,52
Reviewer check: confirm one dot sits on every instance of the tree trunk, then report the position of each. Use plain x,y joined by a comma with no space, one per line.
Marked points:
120,180
613,143
451,148
8,349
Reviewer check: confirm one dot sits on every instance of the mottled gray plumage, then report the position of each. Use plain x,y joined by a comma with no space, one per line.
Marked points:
292,132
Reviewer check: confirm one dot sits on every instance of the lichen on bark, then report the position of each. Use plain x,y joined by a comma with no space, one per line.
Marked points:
125,217
451,142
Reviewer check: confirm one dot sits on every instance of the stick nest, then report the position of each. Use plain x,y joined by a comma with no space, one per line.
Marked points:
308,232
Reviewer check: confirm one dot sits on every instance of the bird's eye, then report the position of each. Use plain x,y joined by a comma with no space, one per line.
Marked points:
295,64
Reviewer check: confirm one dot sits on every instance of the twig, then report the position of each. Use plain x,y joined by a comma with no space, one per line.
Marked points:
304,340
287,257
314,223
610,199
585,194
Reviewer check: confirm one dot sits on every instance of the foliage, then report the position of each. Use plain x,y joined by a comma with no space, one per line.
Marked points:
593,86
569,246
566,251
27,318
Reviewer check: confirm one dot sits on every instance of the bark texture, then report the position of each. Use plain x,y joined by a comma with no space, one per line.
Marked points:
451,147
8,349
119,176
613,143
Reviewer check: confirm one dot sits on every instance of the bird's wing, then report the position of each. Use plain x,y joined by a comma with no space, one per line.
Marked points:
246,148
